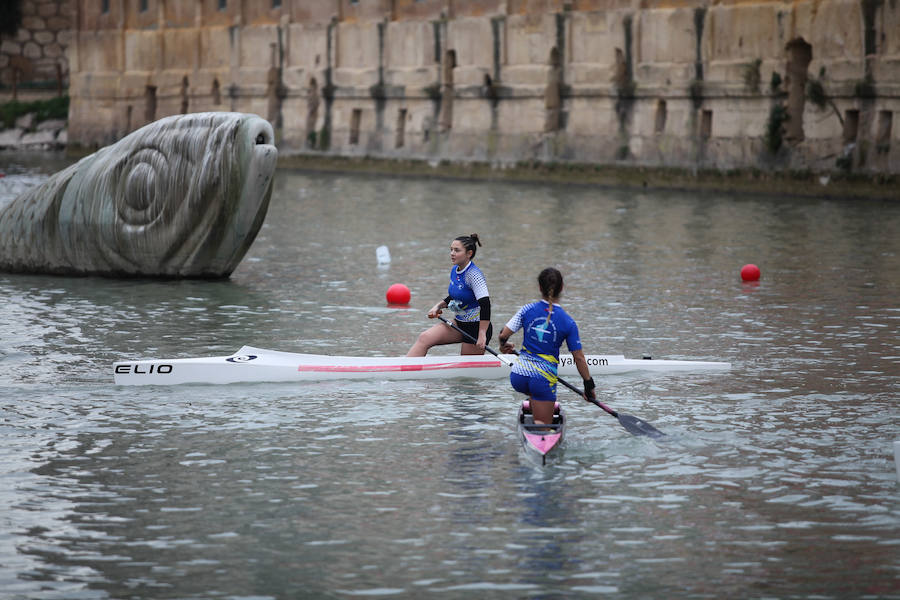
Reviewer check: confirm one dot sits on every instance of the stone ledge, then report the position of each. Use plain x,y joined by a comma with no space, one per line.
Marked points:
745,181
48,139
9,138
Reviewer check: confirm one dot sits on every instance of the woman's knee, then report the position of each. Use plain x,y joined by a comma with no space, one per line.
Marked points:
429,337
423,339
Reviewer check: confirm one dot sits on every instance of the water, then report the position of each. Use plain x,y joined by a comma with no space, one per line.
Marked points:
776,479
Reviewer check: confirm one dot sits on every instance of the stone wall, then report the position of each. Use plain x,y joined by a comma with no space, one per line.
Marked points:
36,55
807,85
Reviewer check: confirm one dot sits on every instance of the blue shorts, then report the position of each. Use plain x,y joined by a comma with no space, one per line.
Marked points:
537,388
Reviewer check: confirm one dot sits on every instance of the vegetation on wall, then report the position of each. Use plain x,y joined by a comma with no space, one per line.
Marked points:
816,94
54,108
775,127
378,91
752,76
844,162
433,91
775,82
324,138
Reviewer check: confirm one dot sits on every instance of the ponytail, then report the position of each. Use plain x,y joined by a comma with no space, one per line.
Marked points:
550,282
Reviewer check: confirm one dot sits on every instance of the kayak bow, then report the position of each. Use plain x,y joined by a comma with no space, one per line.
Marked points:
540,440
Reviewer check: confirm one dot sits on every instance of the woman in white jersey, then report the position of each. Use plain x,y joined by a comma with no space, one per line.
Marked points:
468,296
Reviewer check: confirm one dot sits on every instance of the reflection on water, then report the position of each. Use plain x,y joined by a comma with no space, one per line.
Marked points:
776,479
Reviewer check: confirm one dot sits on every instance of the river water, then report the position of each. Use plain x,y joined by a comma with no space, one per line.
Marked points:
776,479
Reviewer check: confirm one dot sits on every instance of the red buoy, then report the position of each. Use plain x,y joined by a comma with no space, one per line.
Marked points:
398,294
750,273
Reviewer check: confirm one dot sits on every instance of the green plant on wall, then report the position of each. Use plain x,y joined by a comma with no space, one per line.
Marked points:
378,91
818,96
774,137
815,89
775,82
815,92
752,76
433,91
844,162
54,108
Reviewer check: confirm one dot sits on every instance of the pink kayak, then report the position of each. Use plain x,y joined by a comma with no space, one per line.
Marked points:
540,440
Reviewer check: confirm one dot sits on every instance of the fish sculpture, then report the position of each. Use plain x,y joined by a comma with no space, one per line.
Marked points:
183,197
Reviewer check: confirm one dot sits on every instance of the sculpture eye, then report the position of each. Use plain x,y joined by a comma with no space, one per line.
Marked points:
260,139
145,178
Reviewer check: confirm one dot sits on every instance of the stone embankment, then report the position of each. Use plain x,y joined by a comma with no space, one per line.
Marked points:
843,186
27,134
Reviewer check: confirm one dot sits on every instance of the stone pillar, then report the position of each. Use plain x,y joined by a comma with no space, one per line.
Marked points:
446,121
185,95
312,112
234,63
149,104
551,93
272,87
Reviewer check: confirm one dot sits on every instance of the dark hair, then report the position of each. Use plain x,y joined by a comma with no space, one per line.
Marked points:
551,282
469,242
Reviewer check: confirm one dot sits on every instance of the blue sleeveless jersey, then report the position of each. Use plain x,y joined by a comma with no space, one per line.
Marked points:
467,287
542,338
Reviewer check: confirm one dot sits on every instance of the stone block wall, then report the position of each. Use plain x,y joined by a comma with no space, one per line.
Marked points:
37,53
809,85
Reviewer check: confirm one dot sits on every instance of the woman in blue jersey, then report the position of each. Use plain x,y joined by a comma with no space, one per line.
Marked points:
468,296
546,326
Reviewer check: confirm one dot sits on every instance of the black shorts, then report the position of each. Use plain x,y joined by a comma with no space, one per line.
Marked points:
471,327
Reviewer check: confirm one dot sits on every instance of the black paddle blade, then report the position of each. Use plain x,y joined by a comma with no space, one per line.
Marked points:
636,426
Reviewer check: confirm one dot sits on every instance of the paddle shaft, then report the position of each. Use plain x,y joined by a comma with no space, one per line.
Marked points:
634,425
474,341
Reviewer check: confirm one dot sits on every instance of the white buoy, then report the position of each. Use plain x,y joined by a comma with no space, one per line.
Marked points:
383,255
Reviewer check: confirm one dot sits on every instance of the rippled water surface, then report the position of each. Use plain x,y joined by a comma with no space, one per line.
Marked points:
776,479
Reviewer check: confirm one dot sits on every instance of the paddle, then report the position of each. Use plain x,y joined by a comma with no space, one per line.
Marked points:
632,424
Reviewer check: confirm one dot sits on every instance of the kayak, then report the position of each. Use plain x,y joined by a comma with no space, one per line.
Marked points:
257,365
539,441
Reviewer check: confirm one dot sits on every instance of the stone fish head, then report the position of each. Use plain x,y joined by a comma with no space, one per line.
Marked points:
184,196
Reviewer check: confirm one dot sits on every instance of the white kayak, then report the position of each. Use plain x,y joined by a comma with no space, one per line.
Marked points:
256,365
